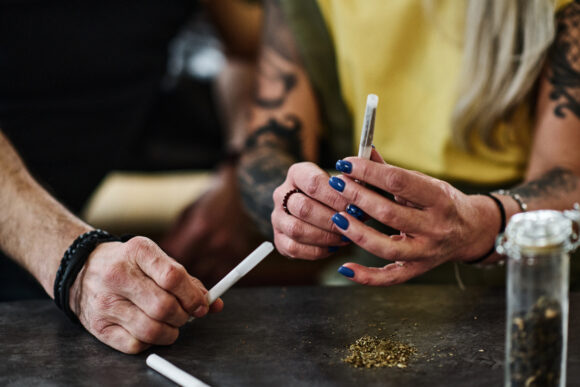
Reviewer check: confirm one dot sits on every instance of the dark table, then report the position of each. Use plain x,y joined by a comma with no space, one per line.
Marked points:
284,337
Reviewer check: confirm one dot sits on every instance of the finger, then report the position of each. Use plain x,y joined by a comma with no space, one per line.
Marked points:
376,156
310,211
292,249
169,275
391,274
400,217
117,337
303,232
415,187
155,302
392,248
313,181
217,306
141,326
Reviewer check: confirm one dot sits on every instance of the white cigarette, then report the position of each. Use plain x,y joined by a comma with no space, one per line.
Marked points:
368,128
239,271
170,371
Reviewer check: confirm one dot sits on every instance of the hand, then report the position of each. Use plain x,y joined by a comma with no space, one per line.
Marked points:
308,232
437,222
213,234
132,295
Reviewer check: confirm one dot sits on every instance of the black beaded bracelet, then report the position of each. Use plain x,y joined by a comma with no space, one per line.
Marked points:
71,264
501,229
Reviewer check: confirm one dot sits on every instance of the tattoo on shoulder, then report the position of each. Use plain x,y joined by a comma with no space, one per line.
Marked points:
564,60
552,183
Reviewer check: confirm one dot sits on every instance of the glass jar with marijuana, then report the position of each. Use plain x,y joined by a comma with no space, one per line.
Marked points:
537,245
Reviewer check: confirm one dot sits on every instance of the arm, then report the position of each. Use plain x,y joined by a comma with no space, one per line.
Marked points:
283,124
552,178
129,295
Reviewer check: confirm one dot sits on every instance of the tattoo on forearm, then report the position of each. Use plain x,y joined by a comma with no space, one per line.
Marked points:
268,70
553,183
277,135
564,59
263,171
270,151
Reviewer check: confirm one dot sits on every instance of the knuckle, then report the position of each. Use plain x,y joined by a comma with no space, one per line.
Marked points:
162,308
133,346
396,180
304,205
295,229
140,245
151,332
173,274
293,249
313,183
386,215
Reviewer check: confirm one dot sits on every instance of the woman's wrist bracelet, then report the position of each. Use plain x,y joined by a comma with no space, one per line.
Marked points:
523,206
71,264
501,229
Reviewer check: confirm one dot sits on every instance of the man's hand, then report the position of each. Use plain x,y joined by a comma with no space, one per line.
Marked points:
132,295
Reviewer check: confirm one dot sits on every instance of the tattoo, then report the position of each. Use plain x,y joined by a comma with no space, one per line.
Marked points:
564,58
553,183
271,150
264,170
273,73
275,134
279,56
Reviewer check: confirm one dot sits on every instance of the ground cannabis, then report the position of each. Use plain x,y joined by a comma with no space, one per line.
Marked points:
536,345
371,351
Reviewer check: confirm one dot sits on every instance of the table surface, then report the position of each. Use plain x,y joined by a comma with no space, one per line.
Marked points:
291,336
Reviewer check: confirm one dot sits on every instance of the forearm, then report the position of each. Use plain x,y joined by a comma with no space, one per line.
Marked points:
35,230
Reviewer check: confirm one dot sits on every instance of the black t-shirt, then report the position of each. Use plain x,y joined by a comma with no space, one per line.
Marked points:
77,82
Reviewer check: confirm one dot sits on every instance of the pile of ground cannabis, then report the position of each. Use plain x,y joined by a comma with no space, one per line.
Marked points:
368,352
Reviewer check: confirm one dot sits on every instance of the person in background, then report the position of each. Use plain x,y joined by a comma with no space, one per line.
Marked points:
79,84
474,97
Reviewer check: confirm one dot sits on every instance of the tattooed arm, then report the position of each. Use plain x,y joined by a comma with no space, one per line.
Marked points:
283,118
553,176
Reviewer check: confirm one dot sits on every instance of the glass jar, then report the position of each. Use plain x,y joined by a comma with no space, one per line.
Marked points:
537,245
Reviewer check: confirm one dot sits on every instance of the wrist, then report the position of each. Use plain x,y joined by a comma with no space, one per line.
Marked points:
492,218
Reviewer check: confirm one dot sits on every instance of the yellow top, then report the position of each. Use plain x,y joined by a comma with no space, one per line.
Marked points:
410,57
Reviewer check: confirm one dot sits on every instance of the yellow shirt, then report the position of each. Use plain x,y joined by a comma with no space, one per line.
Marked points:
410,56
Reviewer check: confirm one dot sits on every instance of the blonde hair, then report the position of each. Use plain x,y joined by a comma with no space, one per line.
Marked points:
505,45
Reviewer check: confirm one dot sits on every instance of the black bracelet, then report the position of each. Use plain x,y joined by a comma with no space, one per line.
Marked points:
501,229
71,264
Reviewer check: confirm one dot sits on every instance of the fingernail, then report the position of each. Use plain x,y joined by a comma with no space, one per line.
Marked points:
345,271
336,183
200,311
344,166
373,145
340,221
344,238
332,249
355,211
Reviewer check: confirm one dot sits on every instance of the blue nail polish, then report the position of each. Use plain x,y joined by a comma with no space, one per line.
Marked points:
340,221
373,145
355,211
332,249
345,271
336,183
344,238
344,166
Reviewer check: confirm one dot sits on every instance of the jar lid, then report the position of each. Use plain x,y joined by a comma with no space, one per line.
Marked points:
536,232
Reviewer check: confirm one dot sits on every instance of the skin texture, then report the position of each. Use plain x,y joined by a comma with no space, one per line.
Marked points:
437,222
128,295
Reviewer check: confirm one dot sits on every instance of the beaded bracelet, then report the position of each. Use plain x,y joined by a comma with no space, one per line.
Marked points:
71,264
523,206
501,229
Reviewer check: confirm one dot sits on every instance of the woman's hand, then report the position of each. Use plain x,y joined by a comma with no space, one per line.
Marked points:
132,295
437,222
306,231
